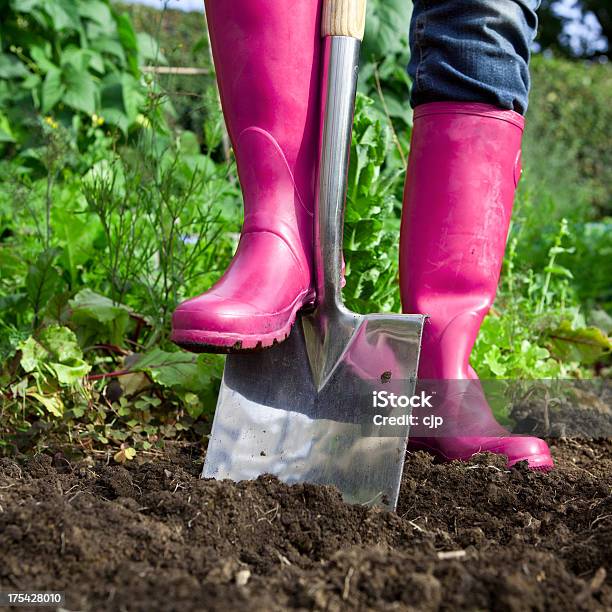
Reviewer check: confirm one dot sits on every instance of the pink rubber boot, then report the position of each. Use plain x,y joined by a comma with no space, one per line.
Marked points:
267,62
463,170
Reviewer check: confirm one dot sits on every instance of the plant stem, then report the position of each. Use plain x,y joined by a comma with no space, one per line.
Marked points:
384,105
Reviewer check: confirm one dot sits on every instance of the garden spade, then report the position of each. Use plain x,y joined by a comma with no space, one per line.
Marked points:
307,410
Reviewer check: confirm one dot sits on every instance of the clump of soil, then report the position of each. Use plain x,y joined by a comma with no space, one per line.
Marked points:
153,536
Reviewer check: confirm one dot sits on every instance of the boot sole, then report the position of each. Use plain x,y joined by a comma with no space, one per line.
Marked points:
201,341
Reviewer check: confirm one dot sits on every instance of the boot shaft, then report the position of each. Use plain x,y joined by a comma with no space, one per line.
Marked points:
267,61
463,170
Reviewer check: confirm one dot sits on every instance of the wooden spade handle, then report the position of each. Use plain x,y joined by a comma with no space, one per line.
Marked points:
344,18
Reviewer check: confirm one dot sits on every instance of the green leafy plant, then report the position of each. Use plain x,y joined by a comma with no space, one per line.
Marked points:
100,238
160,214
371,231
67,59
536,329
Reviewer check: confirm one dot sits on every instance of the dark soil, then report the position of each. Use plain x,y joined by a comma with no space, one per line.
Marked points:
152,536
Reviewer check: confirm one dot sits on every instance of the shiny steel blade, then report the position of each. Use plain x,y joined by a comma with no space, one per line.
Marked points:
271,419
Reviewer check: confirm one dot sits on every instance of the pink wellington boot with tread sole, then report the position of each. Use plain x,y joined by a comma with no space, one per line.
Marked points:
462,175
266,57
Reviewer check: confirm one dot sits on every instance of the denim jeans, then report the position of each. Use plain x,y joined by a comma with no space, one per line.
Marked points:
472,51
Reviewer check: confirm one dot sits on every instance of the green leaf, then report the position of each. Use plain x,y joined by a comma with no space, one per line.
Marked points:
102,309
128,39
76,234
493,360
174,370
96,11
180,371
559,271
194,406
61,343
6,133
43,281
11,67
63,14
370,231
585,344
32,354
96,62
42,56
32,83
81,91
76,57
97,317
53,403
109,46
81,60
52,89
122,97
69,375
55,350
25,6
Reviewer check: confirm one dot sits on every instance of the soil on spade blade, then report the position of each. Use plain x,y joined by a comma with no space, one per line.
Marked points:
153,536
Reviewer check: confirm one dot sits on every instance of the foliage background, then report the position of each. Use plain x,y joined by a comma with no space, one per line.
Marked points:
120,199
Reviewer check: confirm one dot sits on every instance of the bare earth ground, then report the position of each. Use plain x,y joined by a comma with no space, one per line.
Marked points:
152,536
